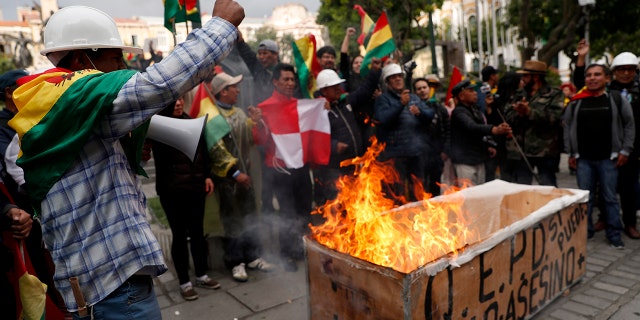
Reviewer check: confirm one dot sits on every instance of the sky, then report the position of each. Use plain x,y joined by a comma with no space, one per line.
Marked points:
128,8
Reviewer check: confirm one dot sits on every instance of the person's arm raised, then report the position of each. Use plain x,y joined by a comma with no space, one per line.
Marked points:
229,10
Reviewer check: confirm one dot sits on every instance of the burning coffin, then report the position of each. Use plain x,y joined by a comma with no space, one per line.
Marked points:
522,247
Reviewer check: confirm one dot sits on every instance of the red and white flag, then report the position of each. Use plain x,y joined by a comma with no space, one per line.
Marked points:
301,132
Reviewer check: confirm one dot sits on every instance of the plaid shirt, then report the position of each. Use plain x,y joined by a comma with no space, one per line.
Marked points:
93,218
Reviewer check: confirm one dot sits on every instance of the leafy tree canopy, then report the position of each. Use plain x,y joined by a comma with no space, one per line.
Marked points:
553,22
337,15
614,27
560,24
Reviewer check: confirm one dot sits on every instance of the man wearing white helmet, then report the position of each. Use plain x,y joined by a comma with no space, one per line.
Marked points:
402,121
78,126
346,141
625,80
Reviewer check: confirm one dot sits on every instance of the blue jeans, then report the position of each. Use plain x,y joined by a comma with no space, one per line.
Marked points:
134,299
588,174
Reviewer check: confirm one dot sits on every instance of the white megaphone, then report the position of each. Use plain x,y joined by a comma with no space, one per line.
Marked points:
182,134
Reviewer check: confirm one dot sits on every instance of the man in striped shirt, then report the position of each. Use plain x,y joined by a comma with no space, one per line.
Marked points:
78,129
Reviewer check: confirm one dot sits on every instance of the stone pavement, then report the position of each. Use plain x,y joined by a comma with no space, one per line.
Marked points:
609,290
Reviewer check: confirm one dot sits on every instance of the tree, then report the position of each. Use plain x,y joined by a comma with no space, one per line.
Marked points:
553,23
403,16
6,63
614,27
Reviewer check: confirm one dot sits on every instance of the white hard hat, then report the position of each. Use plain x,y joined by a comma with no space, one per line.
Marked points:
80,27
390,70
624,59
327,78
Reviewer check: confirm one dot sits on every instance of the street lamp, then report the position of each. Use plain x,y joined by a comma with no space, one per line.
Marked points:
587,5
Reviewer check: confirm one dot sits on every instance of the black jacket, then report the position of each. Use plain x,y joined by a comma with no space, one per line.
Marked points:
175,172
263,86
468,131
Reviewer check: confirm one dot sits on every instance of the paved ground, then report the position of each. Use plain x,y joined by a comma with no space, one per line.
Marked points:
609,290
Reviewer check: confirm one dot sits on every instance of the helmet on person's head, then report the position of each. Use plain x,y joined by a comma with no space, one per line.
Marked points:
80,27
624,59
391,69
327,78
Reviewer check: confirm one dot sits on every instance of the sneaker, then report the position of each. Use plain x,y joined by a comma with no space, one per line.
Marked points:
262,265
618,244
239,273
207,283
188,293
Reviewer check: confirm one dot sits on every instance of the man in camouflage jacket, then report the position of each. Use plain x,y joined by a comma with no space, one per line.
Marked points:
535,117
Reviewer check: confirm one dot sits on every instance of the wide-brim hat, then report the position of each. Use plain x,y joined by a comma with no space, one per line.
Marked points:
433,80
533,67
223,80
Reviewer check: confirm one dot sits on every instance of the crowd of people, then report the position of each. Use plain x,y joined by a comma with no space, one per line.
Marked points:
73,138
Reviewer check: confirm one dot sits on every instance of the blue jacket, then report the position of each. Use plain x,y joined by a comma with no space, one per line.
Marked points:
403,133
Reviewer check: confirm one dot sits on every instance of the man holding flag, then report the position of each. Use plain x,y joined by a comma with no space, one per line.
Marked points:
80,150
295,134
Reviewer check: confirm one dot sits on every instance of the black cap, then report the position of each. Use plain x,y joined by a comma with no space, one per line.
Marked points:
9,78
487,72
464,84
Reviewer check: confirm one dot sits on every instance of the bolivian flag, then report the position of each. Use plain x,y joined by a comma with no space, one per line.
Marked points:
57,112
366,23
380,44
217,126
180,11
307,65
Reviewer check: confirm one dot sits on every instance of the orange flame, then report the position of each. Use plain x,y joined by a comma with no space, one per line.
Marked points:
366,224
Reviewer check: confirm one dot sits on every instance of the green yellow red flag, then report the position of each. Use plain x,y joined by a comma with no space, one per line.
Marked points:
217,126
180,11
366,24
57,112
380,43
307,65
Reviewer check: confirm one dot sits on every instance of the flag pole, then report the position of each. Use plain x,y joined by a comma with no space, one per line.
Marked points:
175,41
186,20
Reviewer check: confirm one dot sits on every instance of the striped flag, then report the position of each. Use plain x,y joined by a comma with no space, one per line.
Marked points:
58,111
180,11
380,44
300,130
366,24
456,77
307,65
216,127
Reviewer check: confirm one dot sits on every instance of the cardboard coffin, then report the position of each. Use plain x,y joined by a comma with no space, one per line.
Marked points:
533,249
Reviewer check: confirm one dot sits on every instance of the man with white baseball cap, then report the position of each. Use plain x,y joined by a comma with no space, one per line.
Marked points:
81,143
234,186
